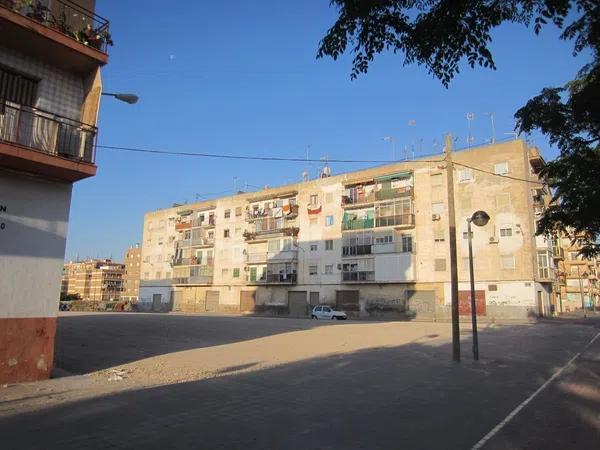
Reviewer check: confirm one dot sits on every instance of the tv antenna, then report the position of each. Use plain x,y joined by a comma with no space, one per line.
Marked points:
470,118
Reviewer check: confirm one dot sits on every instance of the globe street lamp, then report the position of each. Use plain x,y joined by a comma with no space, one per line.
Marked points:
479,218
127,98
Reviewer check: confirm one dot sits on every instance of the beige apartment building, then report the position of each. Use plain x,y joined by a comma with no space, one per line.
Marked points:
576,277
99,280
374,241
131,277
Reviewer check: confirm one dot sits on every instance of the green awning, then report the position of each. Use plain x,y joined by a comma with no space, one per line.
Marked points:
394,176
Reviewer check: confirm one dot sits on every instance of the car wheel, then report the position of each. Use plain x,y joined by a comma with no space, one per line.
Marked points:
314,317
333,318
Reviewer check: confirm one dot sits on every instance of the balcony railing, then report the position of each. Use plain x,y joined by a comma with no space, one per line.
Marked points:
388,194
204,223
275,278
354,250
358,276
269,224
183,225
357,224
403,219
46,132
199,242
68,18
348,200
545,273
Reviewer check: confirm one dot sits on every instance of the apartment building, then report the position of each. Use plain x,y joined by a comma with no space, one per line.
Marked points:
372,241
131,277
50,58
99,280
576,283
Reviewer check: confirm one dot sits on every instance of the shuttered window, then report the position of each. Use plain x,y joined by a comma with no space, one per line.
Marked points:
17,88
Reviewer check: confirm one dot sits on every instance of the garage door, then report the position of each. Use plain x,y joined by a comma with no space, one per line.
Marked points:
297,303
314,299
177,300
464,303
247,301
347,300
421,304
212,301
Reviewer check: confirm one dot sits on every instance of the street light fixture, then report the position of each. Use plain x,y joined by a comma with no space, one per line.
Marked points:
127,98
479,218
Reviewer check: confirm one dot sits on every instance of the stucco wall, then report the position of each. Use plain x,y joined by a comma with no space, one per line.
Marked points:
34,214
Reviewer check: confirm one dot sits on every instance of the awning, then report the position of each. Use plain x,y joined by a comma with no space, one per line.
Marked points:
394,176
272,196
358,181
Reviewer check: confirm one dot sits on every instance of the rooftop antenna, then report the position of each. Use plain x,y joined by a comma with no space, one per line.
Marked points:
491,116
470,118
305,175
235,184
405,152
326,172
198,197
513,133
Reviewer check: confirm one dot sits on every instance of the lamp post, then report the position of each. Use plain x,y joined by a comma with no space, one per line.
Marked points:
479,218
127,98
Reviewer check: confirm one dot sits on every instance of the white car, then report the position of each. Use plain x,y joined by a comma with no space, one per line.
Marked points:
327,312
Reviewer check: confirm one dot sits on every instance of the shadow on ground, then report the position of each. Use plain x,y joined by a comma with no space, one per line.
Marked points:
409,396
90,342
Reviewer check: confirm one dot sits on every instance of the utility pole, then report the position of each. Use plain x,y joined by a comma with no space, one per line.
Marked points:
452,241
581,291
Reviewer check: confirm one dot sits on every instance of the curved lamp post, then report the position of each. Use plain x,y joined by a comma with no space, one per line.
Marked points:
127,98
479,218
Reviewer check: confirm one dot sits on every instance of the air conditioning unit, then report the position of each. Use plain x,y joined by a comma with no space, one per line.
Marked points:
435,217
493,240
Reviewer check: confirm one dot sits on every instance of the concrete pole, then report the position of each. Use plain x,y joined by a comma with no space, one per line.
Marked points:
581,291
473,302
452,242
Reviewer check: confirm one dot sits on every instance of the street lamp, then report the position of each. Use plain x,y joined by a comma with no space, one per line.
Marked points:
479,218
127,98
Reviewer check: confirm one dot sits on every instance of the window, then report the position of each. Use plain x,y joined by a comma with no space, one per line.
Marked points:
313,221
438,236
236,272
505,232
237,232
384,239
508,262
226,232
329,197
158,275
573,256
274,246
17,88
407,243
329,244
466,234
437,208
328,221
187,234
440,264
465,175
167,275
313,270
314,199
238,211
503,200
314,247
224,273
227,213
574,270
436,179
328,269
211,234
501,168
287,244
492,287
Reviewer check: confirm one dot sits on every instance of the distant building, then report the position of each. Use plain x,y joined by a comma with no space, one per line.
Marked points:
50,88
131,278
370,241
95,280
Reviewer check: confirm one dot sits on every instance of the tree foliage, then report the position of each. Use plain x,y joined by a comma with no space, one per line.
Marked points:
441,34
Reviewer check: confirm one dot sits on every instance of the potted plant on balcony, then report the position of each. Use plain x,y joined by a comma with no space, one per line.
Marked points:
94,38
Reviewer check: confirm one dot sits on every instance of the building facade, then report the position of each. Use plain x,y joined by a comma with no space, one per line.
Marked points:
373,242
131,277
99,280
50,89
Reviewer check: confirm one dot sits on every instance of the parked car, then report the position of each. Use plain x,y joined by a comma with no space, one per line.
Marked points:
327,312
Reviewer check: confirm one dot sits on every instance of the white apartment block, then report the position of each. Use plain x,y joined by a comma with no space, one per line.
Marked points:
374,242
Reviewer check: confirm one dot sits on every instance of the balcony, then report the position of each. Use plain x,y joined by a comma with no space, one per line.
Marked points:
545,273
403,220
358,276
39,142
357,250
210,223
65,35
275,278
183,226
558,253
348,201
388,194
357,224
273,257
203,242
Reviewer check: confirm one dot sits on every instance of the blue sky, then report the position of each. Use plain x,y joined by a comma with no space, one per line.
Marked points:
242,78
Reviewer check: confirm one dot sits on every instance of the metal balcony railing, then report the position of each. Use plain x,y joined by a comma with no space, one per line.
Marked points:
46,132
403,219
68,18
357,224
